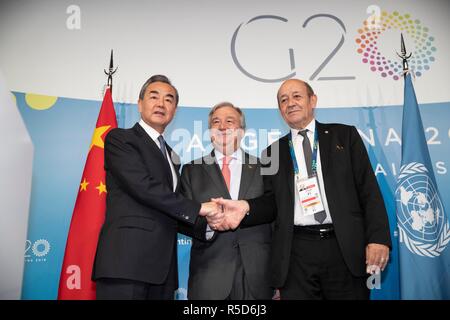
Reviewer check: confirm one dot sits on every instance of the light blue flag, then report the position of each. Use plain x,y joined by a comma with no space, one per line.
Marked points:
424,229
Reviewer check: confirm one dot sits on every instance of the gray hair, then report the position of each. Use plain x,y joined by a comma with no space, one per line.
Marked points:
158,78
226,104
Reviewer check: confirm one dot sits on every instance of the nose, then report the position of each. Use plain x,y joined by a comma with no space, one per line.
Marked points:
160,102
290,102
222,126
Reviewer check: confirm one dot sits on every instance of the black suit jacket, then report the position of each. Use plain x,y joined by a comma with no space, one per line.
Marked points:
354,198
211,269
138,238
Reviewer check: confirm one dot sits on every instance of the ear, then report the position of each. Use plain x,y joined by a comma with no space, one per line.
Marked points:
313,101
240,133
140,106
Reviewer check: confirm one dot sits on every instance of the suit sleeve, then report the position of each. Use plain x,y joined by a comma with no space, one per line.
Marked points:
263,209
375,215
198,229
124,162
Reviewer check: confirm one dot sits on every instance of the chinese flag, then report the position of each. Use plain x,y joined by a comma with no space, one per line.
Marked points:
88,215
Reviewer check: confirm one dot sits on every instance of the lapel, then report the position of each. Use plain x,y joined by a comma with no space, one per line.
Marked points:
175,159
213,170
324,146
156,151
248,171
286,178
287,166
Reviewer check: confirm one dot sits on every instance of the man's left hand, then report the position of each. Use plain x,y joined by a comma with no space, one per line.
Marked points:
377,255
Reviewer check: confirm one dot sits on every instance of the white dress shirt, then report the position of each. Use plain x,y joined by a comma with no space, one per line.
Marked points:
297,140
154,135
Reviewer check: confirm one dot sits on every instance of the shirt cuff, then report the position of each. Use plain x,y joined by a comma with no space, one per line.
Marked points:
209,232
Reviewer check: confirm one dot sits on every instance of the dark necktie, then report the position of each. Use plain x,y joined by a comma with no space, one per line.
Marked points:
162,146
318,216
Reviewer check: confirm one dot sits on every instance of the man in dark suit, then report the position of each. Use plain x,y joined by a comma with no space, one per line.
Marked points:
331,226
137,248
230,265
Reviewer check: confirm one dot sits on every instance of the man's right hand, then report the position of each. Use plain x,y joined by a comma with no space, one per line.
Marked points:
212,212
234,210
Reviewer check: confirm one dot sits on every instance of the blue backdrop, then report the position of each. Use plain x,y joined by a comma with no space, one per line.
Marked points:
61,136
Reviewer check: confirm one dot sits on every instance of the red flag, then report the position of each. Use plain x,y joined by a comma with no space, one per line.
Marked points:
88,215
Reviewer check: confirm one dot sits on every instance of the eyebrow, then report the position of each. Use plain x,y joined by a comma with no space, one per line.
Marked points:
226,118
167,95
286,95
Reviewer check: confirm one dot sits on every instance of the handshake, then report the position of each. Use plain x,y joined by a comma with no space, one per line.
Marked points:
222,214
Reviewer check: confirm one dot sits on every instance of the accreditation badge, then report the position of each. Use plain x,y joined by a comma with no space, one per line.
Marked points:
309,195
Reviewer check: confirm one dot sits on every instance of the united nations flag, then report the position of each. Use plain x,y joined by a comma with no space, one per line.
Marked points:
423,225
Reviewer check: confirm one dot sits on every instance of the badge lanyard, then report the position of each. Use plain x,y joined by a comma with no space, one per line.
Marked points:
314,153
308,189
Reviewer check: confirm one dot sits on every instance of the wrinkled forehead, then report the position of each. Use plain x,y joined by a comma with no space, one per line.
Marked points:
292,85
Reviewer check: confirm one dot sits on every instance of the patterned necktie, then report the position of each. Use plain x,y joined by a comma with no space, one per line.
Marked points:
318,216
226,171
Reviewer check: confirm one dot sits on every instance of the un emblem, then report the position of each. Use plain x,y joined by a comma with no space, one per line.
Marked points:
421,218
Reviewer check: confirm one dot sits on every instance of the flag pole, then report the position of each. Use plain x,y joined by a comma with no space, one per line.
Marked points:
404,56
110,72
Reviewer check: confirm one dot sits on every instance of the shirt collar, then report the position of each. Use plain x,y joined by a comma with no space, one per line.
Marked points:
150,131
236,155
311,128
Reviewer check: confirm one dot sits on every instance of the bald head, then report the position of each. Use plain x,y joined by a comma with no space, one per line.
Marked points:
296,101
290,82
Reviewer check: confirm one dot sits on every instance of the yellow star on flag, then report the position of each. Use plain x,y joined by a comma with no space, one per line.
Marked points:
97,137
101,188
83,185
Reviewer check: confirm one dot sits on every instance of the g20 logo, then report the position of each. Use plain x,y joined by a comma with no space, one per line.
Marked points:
37,249
423,52
367,41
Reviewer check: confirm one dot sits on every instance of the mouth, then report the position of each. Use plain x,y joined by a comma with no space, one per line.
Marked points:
222,133
222,137
294,110
159,113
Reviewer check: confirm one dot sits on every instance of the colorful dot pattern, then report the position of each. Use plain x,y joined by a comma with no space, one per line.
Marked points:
423,54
